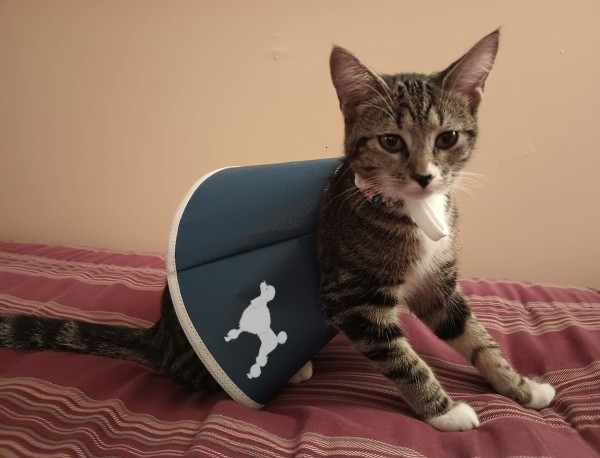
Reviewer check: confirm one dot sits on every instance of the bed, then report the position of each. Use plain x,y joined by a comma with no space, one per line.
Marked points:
59,404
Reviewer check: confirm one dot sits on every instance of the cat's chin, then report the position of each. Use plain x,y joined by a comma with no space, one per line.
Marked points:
420,194
415,193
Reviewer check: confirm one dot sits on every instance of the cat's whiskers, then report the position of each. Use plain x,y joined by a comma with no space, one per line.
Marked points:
374,184
385,186
465,181
349,193
460,187
470,179
474,174
377,184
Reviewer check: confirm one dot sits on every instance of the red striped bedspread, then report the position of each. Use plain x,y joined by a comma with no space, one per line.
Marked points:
58,404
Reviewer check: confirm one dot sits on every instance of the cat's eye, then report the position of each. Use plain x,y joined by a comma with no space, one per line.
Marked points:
446,140
392,143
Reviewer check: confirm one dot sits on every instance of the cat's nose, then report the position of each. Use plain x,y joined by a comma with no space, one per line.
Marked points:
423,180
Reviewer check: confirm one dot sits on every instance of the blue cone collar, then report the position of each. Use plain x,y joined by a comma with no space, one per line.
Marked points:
243,274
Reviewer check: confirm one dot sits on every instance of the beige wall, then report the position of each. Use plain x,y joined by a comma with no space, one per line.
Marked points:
110,110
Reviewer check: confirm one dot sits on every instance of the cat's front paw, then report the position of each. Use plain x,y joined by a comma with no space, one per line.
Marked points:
542,395
461,417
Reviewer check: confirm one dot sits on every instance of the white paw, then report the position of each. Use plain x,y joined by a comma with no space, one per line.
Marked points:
541,394
303,374
461,417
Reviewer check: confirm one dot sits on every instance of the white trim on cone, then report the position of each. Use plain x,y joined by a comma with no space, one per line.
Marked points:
184,320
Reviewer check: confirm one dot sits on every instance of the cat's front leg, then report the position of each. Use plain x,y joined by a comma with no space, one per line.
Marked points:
446,312
376,333
479,347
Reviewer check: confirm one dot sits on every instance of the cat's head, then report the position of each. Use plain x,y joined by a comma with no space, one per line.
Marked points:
409,135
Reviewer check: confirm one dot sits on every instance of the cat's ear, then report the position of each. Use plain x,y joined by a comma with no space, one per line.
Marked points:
468,74
353,81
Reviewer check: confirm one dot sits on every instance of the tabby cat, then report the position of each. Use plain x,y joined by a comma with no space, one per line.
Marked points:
408,136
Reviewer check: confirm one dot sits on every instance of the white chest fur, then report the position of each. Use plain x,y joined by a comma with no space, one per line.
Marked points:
431,254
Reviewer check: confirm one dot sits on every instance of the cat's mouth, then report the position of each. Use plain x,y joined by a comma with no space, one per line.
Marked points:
392,193
419,194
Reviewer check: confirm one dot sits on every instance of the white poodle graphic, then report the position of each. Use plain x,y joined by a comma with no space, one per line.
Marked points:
256,319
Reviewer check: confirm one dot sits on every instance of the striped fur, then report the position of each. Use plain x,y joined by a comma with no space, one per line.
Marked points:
163,346
373,257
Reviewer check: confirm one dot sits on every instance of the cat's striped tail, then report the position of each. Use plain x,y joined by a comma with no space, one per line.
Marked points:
27,332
